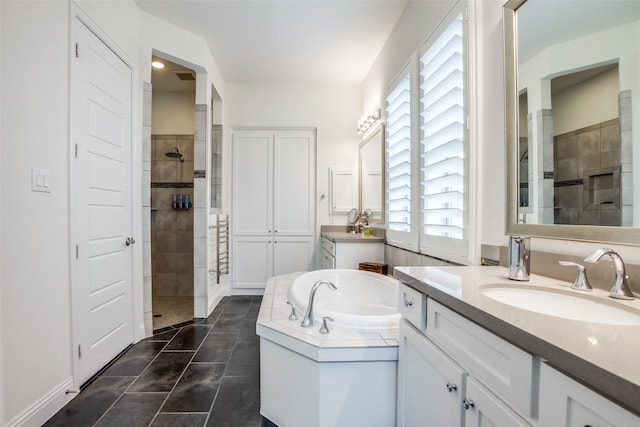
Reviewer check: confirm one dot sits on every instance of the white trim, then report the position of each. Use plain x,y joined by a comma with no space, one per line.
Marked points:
45,407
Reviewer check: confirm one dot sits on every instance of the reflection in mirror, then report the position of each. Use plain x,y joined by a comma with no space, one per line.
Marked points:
571,75
371,176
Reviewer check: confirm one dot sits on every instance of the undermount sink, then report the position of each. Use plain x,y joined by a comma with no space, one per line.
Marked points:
561,304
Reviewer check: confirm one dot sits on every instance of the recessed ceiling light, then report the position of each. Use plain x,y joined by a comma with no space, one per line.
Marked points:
157,64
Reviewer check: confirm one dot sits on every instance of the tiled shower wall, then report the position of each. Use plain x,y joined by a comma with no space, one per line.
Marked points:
171,229
582,156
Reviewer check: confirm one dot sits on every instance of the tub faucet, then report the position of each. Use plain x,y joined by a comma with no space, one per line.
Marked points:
307,320
620,288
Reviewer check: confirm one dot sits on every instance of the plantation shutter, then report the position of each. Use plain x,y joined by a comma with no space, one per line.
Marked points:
443,142
398,146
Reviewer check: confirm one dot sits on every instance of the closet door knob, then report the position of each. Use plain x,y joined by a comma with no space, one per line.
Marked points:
129,241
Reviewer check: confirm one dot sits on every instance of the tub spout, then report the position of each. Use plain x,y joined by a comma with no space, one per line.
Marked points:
307,320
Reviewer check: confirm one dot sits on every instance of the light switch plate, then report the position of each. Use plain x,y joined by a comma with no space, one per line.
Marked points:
40,180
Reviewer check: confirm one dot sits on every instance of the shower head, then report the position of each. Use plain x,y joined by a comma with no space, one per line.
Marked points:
175,154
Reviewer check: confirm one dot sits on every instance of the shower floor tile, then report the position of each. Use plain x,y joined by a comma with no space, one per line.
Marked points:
171,310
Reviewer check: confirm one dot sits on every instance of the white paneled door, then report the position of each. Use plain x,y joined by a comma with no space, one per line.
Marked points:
101,223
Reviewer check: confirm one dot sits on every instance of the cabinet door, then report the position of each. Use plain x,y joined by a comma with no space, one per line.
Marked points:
430,385
252,183
252,261
484,409
565,403
291,254
294,183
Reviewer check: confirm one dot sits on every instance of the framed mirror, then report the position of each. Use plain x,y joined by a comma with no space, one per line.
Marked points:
371,174
572,132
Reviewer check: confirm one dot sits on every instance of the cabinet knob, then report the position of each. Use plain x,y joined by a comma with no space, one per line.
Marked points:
468,403
408,303
452,387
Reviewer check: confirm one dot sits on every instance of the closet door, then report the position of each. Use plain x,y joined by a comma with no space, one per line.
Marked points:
252,155
294,183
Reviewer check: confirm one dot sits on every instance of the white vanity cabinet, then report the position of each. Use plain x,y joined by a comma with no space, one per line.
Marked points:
430,384
566,403
350,252
273,218
457,373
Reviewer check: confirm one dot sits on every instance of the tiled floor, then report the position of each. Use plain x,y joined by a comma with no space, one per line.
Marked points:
171,310
203,374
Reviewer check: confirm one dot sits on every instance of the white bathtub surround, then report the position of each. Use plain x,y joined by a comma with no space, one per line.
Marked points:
344,378
353,306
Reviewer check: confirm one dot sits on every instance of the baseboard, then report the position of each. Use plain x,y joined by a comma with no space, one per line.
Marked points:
247,291
38,413
215,299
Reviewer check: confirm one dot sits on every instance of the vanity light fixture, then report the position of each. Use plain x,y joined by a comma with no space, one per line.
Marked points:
157,64
367,121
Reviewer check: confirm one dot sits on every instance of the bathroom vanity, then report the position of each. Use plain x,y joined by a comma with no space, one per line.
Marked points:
482,360
347,250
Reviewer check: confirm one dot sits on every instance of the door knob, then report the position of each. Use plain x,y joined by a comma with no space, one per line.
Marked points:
129,241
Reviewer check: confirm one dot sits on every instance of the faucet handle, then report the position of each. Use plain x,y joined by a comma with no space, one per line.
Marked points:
581,283
293,315
324,329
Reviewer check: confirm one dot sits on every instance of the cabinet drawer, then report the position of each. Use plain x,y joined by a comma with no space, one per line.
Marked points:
329,246
503,367
565,403
413,306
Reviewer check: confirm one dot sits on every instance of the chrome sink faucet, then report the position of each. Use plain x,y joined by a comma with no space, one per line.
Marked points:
307,320
620,288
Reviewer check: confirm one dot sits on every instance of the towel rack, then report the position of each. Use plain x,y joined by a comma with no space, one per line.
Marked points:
220,242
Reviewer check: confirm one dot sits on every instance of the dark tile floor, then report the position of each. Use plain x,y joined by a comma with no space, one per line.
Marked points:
206,373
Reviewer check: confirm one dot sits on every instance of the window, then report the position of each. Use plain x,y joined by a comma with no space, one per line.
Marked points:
432,214
399,155
443,141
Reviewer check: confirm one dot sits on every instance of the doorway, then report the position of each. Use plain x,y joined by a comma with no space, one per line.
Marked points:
172,193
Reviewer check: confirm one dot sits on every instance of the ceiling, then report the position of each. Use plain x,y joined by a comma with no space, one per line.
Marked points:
543,23
167,79
292,41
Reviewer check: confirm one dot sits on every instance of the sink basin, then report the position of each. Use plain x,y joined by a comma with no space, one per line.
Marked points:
563,305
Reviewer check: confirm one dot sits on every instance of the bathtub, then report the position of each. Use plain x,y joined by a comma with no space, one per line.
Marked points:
344,378
362,301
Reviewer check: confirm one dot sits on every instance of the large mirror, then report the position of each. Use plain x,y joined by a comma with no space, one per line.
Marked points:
371,174
572,132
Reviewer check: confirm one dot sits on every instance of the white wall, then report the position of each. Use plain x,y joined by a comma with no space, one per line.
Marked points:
35,325
172,113
1,260
35,241
588,103
36,315
332,109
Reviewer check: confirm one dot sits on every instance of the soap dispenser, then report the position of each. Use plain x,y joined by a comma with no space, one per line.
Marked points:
519,258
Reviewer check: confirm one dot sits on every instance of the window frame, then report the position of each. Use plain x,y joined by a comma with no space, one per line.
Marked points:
463,250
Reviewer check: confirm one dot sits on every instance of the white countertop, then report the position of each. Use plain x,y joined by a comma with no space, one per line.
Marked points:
604,357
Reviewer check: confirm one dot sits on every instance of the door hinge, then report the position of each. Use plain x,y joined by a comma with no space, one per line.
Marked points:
79,351
77,50
77,251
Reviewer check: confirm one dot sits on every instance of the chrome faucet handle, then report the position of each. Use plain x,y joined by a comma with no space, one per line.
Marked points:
620,288
581,283
324,329
293,315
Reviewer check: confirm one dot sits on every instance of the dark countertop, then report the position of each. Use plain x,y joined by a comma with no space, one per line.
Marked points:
603,357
